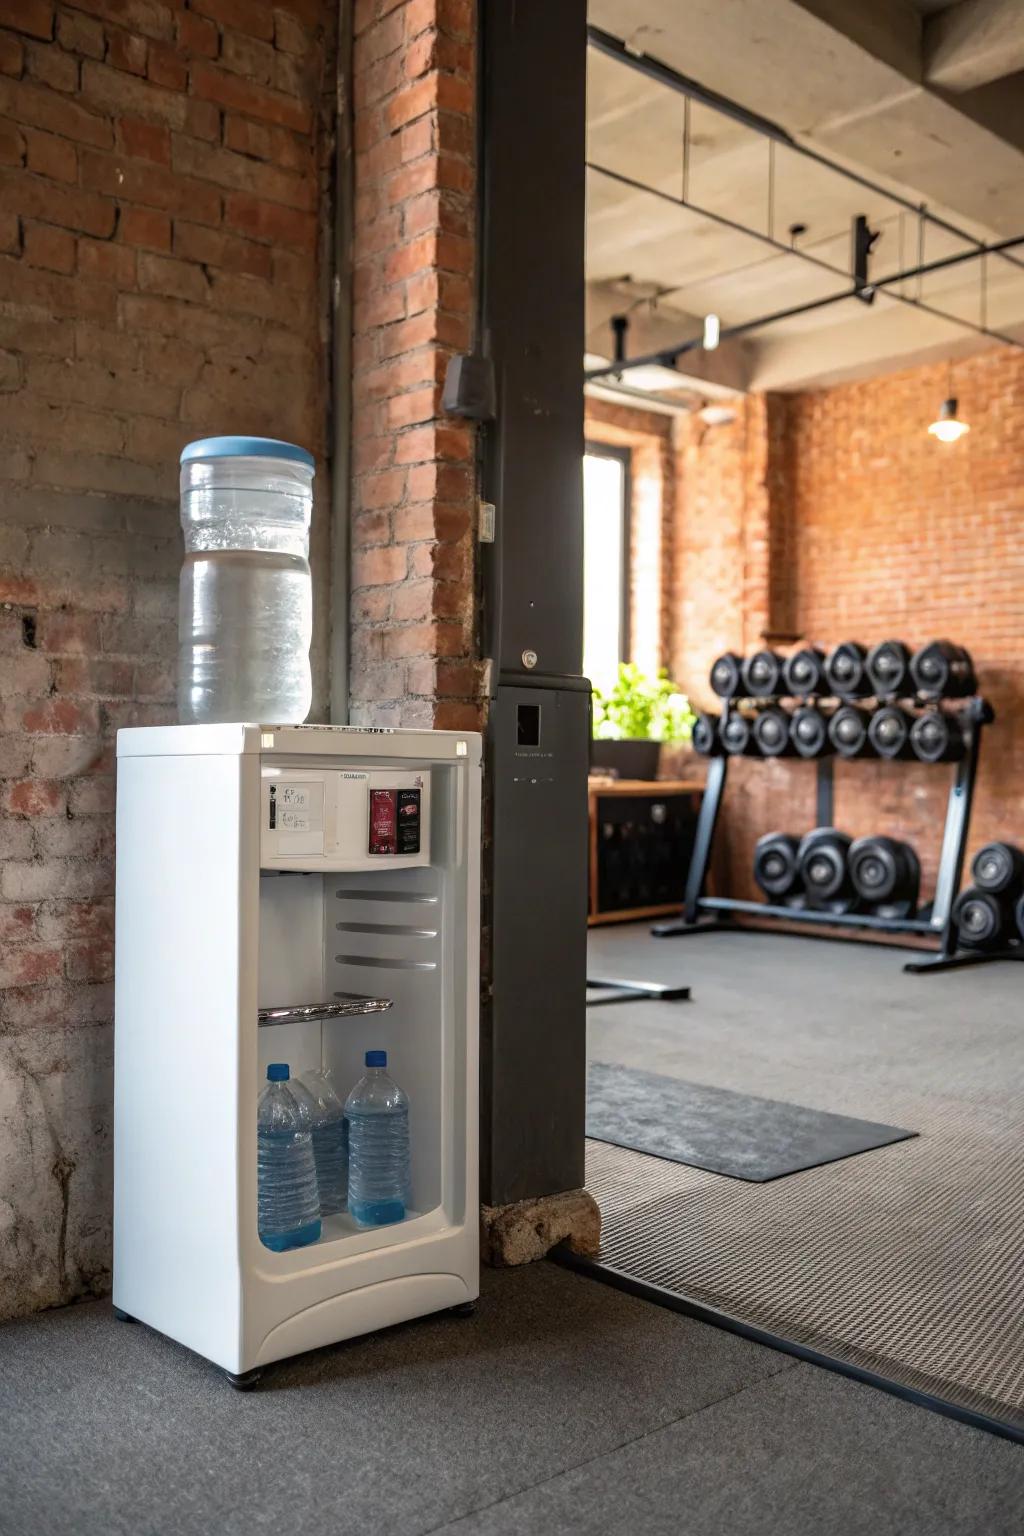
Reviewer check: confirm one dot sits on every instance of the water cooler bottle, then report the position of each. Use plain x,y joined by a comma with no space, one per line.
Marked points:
299,894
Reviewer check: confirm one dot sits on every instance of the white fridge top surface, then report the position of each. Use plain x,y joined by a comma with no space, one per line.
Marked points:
234,739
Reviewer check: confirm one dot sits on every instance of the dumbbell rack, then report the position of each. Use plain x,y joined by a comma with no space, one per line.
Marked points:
703,914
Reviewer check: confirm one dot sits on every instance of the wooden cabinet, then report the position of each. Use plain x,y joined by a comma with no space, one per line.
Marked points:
641,839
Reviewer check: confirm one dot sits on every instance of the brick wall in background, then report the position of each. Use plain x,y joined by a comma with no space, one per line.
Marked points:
873,529
414,647
162,219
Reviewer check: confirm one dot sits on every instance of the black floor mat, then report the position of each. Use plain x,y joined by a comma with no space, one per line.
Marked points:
735,1134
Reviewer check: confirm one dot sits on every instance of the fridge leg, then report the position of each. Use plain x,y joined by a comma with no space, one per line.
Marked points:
123,1317
463,1309
246,1380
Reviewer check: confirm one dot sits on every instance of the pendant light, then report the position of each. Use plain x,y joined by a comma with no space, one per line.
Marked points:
947,426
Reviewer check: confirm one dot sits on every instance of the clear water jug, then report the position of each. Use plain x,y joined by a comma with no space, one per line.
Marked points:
378,1146
245,601
288,1203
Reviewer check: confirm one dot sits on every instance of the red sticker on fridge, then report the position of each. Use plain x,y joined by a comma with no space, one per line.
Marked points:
383,821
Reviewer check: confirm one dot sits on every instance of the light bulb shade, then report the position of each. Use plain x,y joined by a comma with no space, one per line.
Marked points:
948,427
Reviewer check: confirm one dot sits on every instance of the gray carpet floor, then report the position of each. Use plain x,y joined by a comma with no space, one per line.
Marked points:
563,1405
905,1260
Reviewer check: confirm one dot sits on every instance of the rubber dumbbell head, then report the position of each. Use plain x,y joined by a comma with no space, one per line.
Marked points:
737,736
998,867
808,731
706,739
937,738
888,667
885,873
848,731
776,869
762,675
942,670
846,671
727,675
804,673
983,920
889,731
772,733
822,859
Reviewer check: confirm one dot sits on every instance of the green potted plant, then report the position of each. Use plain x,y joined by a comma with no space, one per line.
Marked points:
632,720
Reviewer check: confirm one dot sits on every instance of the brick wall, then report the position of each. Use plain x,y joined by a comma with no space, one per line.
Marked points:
833,515
414,646
162,258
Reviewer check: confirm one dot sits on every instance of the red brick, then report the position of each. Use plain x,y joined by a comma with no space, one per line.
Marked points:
61,717
107,262
17,923
269,221
380,564
34,797
202,120
263,141
12,55
51,156
198,36
227,90
127,51
166,67
12,145
251,16
151,185
145,141
145,227
213,247
81,34
48,247
35,107
35,17
51,66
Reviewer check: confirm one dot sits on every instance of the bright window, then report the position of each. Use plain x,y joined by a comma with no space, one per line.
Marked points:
605,500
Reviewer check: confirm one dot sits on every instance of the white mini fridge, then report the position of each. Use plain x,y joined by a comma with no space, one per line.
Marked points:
299,894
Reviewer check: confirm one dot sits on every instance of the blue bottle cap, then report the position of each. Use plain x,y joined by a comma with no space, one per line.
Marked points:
376,1058
246,448
278,1072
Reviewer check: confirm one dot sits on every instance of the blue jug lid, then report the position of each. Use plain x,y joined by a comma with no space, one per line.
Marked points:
376,1058
278,1072
246,448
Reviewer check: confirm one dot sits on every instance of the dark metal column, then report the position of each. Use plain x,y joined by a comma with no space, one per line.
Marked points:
533,82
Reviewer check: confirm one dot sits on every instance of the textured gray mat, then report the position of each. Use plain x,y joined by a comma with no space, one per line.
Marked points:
737,1134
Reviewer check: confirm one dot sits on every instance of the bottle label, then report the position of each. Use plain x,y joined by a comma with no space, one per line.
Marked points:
383,821
395,821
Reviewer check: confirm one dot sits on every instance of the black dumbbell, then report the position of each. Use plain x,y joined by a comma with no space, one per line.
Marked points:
942,670
776,869
937,738
727,675
847,672
804,673
889,731
705,737
808,731
999,868
772,732
888,667
848,731
983,920
1018,913
737,735
822,861
762,675
886,874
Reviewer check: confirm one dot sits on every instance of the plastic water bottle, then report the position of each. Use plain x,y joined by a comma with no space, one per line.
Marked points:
245,599
288,1206
330,1142
378,1146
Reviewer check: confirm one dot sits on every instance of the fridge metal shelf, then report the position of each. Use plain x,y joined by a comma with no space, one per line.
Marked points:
348,1008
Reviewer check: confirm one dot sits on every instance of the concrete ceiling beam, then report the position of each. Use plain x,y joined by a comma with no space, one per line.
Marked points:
726,370
973,43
